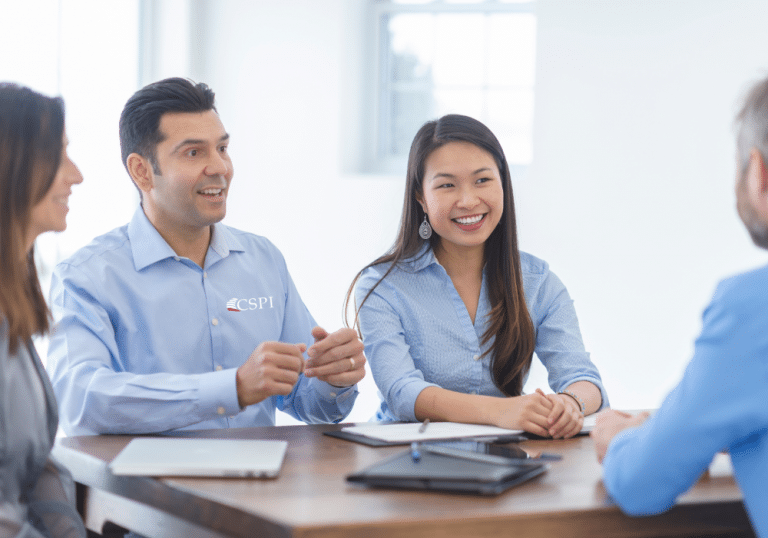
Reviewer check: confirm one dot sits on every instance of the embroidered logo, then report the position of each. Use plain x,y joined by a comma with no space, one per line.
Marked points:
254,303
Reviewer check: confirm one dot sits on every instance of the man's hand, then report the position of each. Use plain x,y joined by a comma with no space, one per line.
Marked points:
336,358
272,369
610,423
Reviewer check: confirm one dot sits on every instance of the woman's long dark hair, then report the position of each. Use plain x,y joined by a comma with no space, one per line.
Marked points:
510,324
31,132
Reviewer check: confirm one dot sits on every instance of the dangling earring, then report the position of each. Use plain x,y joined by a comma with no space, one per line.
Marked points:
425,230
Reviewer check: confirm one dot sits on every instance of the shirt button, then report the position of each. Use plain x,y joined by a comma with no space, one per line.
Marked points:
221,410
474,392
176,258
219,367
215,321
476,357
333,395
205,274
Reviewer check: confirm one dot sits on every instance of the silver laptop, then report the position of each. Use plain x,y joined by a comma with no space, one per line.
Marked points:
177,456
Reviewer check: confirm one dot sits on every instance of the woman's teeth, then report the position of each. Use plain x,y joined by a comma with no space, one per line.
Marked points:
470,220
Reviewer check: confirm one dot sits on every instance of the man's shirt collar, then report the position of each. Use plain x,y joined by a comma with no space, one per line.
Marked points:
149,247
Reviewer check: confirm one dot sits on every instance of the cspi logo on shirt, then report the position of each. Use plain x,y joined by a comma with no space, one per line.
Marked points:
254,303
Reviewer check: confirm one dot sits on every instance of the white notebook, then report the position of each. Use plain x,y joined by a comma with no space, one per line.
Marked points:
438,431
177,456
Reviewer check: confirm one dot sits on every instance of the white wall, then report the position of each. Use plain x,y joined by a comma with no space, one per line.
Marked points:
630,196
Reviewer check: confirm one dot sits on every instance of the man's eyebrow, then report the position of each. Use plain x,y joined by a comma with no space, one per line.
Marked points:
196,141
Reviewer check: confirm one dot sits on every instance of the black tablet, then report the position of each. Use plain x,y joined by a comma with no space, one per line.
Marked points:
449,468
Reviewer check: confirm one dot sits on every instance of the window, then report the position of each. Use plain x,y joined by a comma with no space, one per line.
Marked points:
444,56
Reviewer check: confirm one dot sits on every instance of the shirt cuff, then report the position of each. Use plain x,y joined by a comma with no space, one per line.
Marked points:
342,397
405,406
218,393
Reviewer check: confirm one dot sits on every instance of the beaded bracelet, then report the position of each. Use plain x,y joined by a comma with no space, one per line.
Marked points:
578,400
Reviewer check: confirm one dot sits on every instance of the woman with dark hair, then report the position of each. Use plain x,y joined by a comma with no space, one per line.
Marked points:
36,176
452,314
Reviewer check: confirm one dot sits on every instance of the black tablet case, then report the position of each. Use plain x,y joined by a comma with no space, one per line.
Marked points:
438,472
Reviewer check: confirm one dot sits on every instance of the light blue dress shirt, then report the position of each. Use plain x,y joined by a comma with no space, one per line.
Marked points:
418,333
146,341
720,404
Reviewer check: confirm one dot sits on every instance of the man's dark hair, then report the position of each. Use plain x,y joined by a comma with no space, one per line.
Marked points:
140,119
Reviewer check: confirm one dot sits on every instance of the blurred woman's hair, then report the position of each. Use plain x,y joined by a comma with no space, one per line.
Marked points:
31,139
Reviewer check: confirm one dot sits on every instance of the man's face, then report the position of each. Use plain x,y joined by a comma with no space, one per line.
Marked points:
757,228
190,193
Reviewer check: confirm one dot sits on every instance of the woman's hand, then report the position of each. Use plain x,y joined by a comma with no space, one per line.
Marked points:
565,419
529,413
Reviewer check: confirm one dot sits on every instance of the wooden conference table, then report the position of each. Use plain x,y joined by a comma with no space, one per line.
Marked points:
311,498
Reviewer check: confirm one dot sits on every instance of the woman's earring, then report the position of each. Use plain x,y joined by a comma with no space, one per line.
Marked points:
425,230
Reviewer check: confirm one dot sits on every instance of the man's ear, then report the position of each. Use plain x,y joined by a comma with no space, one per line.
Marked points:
757,182
141,171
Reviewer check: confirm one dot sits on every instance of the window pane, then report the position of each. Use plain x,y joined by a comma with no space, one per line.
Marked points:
469,102
481,64
409,112
459,57
411,46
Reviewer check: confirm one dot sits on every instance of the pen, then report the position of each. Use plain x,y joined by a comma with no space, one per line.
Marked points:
415,452
424,425
547,457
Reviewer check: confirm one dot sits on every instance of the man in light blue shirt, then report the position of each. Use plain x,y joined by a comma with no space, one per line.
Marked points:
176,321
719,404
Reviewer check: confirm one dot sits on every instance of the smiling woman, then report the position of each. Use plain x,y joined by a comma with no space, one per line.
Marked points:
36,174
450,321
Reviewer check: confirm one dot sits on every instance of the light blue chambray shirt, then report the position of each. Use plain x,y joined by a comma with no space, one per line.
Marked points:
418,333
719,405
146,341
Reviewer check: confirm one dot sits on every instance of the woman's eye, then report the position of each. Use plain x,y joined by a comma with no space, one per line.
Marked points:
192,153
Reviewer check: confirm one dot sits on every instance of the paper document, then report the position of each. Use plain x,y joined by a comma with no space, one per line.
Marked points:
409,432
589,423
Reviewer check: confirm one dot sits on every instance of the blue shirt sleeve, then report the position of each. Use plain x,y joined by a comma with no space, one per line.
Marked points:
94,398
396,375
559,345
718,405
